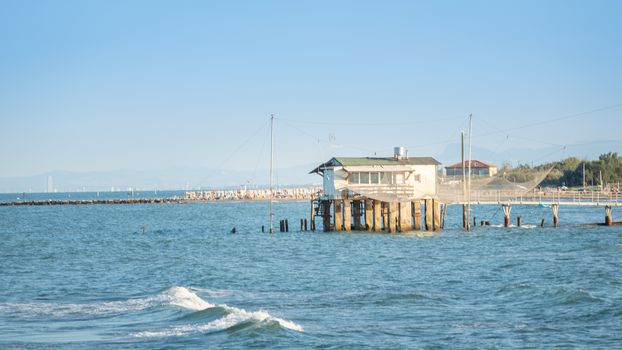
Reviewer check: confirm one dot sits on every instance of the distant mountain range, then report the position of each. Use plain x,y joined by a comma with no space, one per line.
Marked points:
196,178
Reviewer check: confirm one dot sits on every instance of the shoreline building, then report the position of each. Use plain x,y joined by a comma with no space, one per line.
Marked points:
386,191
478,168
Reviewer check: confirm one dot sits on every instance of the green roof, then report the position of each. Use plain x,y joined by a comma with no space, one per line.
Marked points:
369,161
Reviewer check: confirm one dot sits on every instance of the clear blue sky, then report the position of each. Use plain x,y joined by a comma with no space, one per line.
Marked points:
104,85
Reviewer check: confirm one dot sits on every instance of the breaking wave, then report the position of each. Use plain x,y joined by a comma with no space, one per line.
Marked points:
233,317
176,296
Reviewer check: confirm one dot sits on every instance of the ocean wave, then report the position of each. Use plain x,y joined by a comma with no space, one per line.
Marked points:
181,297
234,317
175,296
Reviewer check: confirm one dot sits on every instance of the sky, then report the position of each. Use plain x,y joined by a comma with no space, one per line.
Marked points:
149,85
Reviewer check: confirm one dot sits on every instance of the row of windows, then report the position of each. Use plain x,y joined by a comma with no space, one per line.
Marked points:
385,178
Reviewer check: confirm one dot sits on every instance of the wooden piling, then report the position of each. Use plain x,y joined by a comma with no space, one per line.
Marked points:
357,213
326,215
519,221
406,216
306,227
286,226
555,208
393,214
507,209
369,218
347,215
417,215
436,222
302,225
385,216
338,215
377,215
542,223
429,215
608,215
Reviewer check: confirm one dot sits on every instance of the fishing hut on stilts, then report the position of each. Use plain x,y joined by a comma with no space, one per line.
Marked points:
390,194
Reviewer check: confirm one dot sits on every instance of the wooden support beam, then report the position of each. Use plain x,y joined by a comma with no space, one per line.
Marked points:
357,214
417,214
608,215
429,215
519,221
406,217
369,219
377,215
338,215
507,209
555,208
436,207
326,204
385,216
393,217
347,215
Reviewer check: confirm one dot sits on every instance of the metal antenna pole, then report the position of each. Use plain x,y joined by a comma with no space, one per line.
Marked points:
271,164
463,166
469,183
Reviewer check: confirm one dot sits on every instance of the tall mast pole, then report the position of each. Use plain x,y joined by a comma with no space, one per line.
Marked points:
469,183
463,166
271,164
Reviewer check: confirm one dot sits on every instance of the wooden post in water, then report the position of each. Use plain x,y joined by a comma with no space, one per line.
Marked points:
519,221
302,225
306,227
393,217
542,223
369,218
507,209
608,215
464,216
436,205
555,208
286,225
347,215
377,215
406,217
326,215
429,215
338,215
417,214
385,216
357,214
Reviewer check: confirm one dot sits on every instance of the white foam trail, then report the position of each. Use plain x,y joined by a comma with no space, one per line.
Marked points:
176,296
235,316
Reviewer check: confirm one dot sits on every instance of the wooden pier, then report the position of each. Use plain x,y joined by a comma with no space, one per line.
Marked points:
359,213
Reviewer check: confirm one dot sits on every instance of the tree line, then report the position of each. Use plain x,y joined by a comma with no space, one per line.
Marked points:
604,172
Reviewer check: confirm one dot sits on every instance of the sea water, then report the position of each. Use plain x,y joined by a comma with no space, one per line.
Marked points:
174,276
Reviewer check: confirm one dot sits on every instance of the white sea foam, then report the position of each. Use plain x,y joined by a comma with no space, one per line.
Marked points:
181,296
176,296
